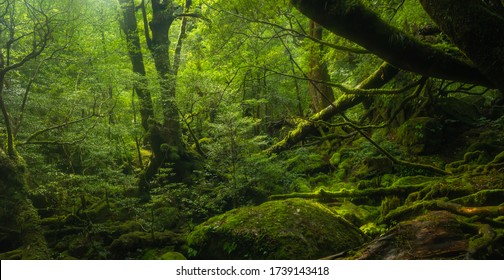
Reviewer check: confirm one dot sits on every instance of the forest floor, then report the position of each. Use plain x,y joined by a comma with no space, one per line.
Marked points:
359,204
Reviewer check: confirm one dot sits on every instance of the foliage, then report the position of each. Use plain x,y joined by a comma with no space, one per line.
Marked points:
72,111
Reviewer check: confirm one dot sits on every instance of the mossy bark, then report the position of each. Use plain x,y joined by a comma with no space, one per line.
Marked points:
130,28
354,21
322,94
376,80
476,29
22,218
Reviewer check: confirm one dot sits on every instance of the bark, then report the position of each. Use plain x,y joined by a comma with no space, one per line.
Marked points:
162,19
379,78
322,94
129,26
353,21
166,139
8,127
375,192
20,220
182,35
476,29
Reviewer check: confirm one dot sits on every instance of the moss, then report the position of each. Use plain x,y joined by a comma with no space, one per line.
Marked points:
129,243
373,230
406,212
481,198
388,204
288,229
413,180
335,159
356,215
98,212
421,135
172,256
12,255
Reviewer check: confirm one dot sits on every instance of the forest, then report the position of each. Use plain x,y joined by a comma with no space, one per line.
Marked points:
233,129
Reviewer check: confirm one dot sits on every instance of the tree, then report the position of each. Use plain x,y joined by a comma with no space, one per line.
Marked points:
130,28
322,94
165,137
26,29
354,21
37,34
486,25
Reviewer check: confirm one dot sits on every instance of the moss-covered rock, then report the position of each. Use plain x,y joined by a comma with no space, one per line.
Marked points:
288,229
128,244
172,256
458,110
422,135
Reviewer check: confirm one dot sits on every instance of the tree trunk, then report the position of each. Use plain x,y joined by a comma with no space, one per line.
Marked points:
353,21
476,29
20,220
167,146
322,94
129,26
8,127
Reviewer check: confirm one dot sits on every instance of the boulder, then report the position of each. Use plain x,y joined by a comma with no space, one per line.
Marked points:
286,229
422,135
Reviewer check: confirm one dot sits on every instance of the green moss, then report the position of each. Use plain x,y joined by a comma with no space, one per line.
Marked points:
373,230
355,214
98,212
481,198
335,159
421,135
172,256
288,229
130,242
388,204
12,255
413,181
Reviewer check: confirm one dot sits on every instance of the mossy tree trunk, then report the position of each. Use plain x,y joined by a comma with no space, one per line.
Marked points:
20,220
477,28
129,26
355,22
168,148
322,94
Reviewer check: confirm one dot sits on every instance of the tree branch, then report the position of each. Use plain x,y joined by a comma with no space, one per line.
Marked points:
480,38
380,77
37,133
352,20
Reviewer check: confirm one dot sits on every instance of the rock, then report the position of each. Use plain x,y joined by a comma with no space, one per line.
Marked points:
286,229
421,135
129,243
172,256
435,235
458,110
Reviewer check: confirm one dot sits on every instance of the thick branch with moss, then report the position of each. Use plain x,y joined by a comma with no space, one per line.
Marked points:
380,77
480,38
355,22
376,192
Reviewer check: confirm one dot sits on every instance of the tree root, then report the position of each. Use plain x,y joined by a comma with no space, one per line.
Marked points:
323,195
415,209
